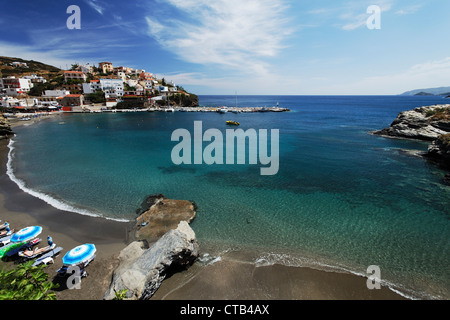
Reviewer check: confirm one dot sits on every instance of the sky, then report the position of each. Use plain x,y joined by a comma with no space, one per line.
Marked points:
248,47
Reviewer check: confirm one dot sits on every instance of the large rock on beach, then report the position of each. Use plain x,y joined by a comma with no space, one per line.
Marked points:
141,271
160,215
425,123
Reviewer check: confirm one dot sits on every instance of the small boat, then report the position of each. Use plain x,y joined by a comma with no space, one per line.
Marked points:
222,110
233,123
170,110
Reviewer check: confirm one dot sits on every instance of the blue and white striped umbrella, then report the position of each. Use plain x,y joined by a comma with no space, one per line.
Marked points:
80,254
26,234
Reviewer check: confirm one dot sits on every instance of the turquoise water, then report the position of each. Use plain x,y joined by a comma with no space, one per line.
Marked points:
342,199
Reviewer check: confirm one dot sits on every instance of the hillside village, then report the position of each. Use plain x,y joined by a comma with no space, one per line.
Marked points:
28,86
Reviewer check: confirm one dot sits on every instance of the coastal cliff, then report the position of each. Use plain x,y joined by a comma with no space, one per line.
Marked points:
440,148
5,128
439,151
430,123
425,123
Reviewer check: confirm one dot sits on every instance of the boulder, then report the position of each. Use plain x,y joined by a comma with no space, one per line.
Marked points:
141,271
163,215
440,149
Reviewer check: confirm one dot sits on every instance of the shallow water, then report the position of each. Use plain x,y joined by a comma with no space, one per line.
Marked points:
342,198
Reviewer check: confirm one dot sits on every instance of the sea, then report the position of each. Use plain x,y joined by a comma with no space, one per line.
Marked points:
342,199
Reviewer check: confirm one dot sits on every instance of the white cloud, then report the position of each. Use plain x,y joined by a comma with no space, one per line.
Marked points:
355,13
428,74
30,53
410,9
95,5
230,33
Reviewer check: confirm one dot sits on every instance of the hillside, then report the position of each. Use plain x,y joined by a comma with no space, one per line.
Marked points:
38,68
430,91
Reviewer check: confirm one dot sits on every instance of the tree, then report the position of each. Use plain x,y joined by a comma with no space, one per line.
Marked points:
97,97
26,283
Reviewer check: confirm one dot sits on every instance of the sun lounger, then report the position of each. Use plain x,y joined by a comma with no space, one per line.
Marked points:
5,240
6,233
63,270
33,254
3,225
48,257
23,247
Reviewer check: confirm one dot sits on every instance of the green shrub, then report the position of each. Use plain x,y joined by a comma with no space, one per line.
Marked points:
26,283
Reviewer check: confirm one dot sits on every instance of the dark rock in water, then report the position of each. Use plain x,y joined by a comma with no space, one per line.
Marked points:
447,179
148,202
440,150
141,271
161,216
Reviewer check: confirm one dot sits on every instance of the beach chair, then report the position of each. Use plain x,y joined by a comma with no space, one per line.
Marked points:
35,253
6,233
62,272
5,241
48,257
26,246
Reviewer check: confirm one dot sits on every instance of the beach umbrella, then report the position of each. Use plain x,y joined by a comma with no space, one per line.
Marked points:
80,254
26,234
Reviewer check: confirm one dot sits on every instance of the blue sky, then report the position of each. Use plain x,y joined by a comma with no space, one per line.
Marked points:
269,47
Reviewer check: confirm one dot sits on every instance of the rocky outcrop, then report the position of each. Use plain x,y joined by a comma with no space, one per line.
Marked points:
141,271
426,123
5,129
159,215
440,149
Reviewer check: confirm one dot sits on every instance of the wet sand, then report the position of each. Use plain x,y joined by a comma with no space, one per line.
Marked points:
68,230
228,279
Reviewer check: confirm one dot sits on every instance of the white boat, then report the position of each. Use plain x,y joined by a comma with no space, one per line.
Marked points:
170,110
223,110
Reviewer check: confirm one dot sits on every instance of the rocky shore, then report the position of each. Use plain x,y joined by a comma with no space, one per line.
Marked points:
165,244
426,123
431,123
5,128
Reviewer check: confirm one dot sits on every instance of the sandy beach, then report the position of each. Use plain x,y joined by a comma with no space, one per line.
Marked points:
228,279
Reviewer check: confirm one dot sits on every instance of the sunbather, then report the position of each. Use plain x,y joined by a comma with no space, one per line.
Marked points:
5,232
35,251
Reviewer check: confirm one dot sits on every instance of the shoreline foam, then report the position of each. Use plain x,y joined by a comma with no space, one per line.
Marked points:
61,205
69,229
314,265
58,204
